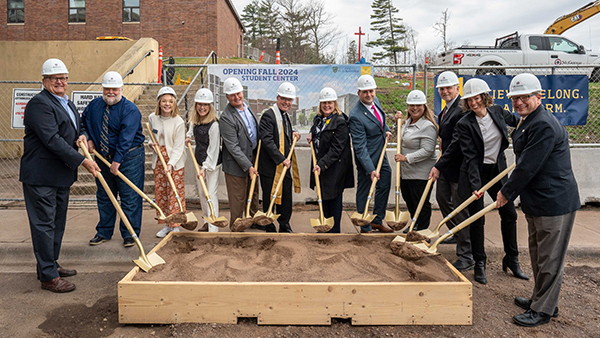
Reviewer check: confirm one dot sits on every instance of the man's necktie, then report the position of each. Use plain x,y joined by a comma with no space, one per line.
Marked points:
104,131
443,112
377,114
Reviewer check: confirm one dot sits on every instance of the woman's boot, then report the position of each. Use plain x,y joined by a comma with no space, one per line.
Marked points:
480,272
512,263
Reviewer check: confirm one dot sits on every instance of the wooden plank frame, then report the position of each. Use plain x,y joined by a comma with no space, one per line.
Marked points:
408,303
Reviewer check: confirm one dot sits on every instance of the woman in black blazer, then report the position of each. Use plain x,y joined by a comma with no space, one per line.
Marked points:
331,139
483,138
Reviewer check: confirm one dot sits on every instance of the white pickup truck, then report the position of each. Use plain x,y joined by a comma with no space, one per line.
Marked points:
525,49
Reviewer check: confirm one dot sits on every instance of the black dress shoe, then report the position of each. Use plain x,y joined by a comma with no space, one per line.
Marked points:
525,304
449,240
480,272
285,228
461,265
62,272
270,228
128,242
97,240
531,318
512,263
257,227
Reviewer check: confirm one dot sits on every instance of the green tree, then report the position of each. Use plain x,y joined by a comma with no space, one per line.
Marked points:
390,29
294,39
251,19
352,53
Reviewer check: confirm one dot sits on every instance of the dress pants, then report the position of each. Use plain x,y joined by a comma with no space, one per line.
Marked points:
237,194
132,167
382,192
285,208
448,199
333,208
212,185
548,241
508,219
47,213
412,190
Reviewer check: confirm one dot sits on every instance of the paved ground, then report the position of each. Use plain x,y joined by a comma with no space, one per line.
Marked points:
25,308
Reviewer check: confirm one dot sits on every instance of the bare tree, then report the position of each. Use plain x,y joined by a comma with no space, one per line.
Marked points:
412,42
321,34
441,28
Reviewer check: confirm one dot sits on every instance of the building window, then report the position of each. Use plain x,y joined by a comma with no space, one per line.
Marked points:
131,10
16,11
76,10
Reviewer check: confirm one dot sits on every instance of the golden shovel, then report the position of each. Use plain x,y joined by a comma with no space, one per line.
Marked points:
397,219
242,224
321,224
145,262
260,217
191,220
364,218
432,250
220,222
174,218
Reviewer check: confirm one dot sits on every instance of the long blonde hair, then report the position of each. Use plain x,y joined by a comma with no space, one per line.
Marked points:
174,112
336,109
195,118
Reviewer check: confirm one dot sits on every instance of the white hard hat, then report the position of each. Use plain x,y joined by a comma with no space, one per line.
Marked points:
523,84
287,90
474,87
54,66
232,86
166,90
416,97
327,94
203,95
447,79
112,80
366,82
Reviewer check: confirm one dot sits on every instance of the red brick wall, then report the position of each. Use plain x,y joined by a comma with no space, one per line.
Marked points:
182,27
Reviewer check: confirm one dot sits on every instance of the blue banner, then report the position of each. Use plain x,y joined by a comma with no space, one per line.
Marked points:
565,96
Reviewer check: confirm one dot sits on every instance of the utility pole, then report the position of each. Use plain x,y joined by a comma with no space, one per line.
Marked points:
359,35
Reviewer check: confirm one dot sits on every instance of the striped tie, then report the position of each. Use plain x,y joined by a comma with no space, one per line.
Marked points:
104,132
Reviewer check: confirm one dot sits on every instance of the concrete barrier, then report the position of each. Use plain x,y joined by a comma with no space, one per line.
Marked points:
583,159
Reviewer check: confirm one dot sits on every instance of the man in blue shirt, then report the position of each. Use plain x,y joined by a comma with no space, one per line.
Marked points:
113,126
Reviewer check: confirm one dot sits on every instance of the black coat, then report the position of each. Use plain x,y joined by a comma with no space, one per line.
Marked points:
50,156
270,156
473,150
334,157
543,175
449,163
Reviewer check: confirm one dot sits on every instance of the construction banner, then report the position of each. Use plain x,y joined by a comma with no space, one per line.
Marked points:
260,84
566,96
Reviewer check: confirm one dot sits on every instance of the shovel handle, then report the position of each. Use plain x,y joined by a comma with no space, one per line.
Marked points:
112,198
274,193
164,164
253,181
317,181
473,197
462,225
201,179
374,183
422,200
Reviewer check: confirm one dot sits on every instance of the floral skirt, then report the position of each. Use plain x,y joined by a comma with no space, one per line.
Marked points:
165,198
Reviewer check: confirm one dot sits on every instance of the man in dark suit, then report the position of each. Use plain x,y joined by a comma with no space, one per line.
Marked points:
239,131
48,169
275,132
544,179
369,134
447,169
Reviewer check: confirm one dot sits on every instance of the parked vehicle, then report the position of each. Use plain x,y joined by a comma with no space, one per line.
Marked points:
525,49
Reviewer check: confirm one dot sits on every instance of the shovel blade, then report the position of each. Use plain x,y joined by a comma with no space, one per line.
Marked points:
220,222
191,221
427,233
390,216
241,224
399,239
152,260
358,219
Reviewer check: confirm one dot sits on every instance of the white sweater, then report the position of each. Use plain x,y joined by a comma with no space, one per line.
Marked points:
171,131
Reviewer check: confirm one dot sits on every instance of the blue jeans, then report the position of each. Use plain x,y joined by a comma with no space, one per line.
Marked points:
131,203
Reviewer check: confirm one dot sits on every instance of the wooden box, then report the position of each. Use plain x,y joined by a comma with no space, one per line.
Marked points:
410,303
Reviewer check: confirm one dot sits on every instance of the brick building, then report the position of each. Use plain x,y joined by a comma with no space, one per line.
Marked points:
182,27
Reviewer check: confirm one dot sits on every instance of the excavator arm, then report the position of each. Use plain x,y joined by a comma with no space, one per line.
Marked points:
574,18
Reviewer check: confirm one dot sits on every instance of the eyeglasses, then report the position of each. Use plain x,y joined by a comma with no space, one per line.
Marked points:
62,79
523,98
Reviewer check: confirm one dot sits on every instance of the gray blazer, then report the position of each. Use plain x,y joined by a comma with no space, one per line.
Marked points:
238,154
418,145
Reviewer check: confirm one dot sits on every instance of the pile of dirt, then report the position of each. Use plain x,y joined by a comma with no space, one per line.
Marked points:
293,259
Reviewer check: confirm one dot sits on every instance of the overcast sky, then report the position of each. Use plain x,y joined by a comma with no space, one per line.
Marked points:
478,22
